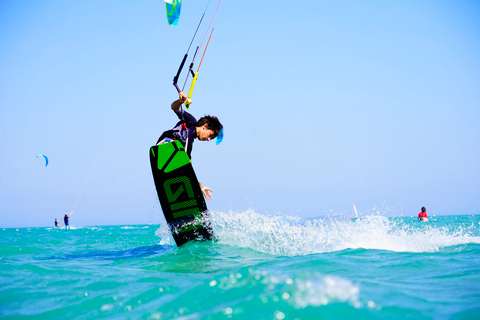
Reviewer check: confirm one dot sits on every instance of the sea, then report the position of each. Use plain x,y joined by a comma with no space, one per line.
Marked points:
258,267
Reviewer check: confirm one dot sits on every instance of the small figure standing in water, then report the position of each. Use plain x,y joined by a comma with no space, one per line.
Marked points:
57,223
65,219
423,215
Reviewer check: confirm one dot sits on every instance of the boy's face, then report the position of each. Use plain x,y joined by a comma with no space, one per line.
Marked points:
205,134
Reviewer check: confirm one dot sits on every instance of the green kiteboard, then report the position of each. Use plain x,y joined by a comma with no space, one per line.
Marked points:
179,193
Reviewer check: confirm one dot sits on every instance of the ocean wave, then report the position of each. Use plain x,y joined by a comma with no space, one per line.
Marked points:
284,235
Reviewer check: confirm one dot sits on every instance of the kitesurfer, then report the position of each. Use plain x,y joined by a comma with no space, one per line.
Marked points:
57,223
65,220
423,215
188,129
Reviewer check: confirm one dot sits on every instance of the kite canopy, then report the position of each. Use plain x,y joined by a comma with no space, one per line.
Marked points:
173,11
46,159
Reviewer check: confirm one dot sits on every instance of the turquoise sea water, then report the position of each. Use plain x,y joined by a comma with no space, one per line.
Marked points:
260,267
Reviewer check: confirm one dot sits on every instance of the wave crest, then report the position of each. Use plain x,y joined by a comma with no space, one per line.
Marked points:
284,235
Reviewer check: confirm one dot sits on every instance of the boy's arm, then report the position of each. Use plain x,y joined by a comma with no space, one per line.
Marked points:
176,105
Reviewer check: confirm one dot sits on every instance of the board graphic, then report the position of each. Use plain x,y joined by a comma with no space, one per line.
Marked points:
179,193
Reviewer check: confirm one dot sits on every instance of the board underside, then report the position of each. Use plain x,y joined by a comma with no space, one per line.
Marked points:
179,193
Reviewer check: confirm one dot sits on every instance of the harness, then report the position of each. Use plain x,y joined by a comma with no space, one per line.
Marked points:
179,133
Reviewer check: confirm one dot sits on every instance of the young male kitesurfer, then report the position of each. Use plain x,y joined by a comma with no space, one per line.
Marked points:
57,223
423,215
188,129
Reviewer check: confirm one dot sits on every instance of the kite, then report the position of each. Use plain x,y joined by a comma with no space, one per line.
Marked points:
46,159
173,11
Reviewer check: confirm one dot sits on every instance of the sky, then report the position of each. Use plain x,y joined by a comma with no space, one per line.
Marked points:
324,104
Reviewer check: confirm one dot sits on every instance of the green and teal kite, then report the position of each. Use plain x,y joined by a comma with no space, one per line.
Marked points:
173,11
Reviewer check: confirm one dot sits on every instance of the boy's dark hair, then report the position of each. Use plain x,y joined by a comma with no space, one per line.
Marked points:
212,124
423,209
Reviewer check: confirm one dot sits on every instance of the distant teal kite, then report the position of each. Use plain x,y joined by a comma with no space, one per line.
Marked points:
173,11
46,159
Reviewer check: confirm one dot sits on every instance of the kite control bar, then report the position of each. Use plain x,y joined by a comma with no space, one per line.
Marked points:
175,79
190,71
195,75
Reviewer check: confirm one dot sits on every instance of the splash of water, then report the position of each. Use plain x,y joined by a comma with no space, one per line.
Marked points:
284,235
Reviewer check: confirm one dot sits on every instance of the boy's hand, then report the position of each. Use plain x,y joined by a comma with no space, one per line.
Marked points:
206,192
182,96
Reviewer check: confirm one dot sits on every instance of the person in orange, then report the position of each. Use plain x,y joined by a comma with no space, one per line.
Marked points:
423,215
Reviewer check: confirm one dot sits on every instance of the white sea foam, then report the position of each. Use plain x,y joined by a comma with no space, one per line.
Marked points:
316,290
290,236
284,235
304,290
165,235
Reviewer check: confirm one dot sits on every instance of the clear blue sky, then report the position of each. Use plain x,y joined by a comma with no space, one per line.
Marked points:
323,103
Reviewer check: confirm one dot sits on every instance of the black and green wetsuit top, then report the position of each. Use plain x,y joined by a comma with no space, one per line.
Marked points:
186,133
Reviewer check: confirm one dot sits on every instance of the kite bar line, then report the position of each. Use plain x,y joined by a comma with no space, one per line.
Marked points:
200,44
205,50
190,68
192,86
175,79
209,25
187,104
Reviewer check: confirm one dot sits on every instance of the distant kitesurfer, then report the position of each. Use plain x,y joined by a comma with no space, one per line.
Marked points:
423,215
188,129
65,220
57,223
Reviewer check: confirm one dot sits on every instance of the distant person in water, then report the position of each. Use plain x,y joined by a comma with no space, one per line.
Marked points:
65,219
423,215
57,223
